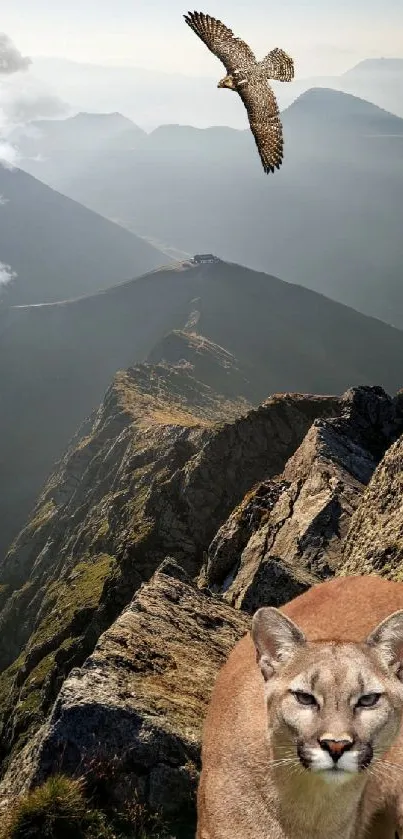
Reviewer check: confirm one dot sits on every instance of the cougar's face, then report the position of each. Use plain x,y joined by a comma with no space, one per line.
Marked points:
336,709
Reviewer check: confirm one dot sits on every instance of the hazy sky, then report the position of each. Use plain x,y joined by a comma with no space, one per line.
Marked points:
325,36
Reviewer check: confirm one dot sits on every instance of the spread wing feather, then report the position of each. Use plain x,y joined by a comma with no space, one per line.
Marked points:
264,120
257,96
279,65
233,52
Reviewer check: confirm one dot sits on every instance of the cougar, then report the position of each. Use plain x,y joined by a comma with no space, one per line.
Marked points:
303,737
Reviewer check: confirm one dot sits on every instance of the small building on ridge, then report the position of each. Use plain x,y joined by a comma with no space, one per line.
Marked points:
204,257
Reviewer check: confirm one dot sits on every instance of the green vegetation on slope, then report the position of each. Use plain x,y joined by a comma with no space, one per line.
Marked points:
59,809
66,608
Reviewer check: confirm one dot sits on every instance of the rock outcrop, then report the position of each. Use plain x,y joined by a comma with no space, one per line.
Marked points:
218,369
288,533
109,650
130,716
56,361
375,540
136,707
155,472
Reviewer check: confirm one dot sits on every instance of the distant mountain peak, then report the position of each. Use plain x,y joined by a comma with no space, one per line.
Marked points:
376,65
89,115
336,102
100,120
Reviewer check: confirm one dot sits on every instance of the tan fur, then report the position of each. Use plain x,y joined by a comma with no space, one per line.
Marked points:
242,795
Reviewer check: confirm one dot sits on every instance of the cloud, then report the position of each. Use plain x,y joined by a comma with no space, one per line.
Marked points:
3,200
9,155
6,274
31,104
22,99
19,104
8,152
11,60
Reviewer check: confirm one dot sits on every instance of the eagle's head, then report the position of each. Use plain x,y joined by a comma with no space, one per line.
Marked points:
228,82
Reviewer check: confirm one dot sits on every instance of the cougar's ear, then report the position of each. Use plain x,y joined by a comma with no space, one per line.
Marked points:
387,641
276,639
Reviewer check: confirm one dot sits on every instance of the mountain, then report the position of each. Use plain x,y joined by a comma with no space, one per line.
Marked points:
213,473
57,360
378,79
153,97
149,97
347,115
60,249
72,143
330,219
157,535
369,67
164,467
374,544
82,132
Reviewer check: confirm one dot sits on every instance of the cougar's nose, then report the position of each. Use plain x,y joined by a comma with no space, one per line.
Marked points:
336,748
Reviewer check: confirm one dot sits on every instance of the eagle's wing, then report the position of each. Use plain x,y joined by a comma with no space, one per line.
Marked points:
278,65
233,52
264,120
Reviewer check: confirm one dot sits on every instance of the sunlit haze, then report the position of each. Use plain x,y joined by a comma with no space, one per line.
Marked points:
323,37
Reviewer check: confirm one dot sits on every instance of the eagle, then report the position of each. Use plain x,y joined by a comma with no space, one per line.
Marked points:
248,77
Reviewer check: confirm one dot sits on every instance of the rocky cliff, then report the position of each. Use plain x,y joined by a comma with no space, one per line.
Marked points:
138,702
108,649
154,472
289,533
57,360
374,544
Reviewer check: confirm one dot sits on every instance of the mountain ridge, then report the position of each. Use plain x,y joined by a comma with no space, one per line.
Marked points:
106,573
293,339
329,96
33,241
314,94
86,86
370,64
342,171
155,456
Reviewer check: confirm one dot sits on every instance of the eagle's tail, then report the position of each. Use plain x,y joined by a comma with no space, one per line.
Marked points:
278,65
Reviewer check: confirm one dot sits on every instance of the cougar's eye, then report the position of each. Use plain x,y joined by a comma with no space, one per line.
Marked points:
304,698
368,700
